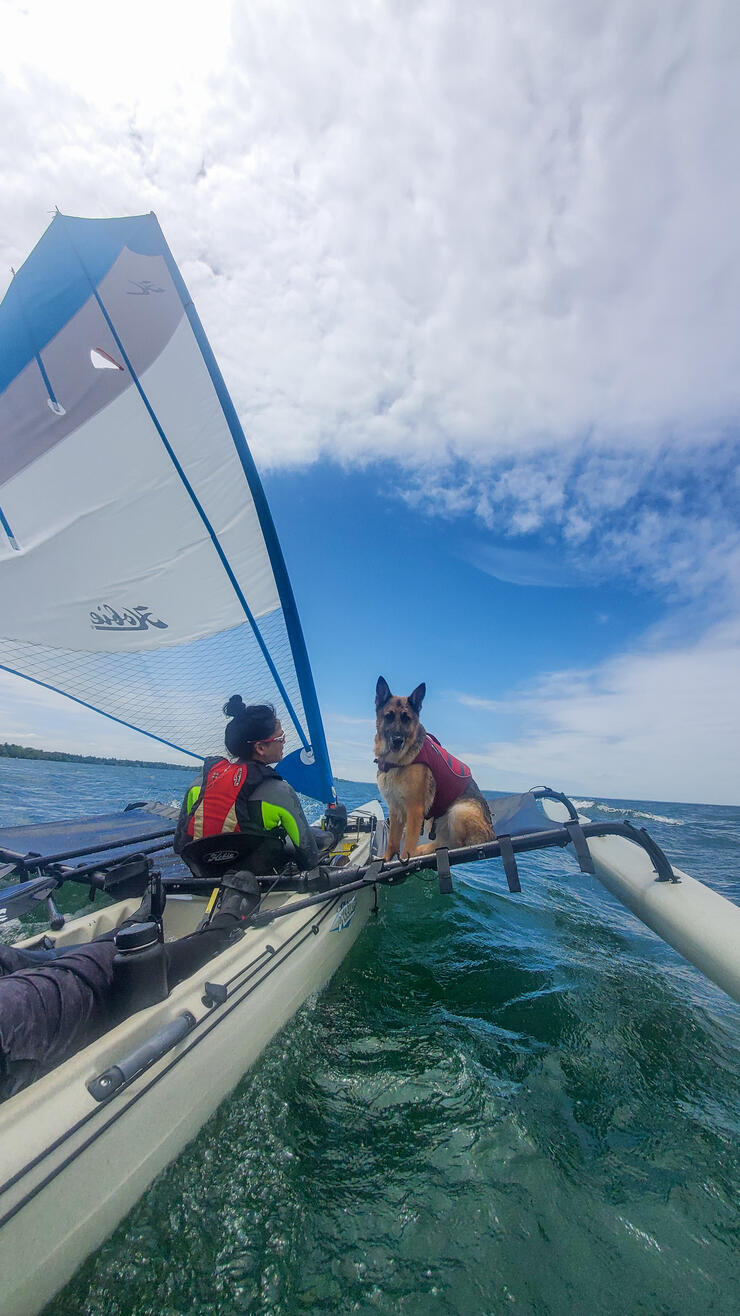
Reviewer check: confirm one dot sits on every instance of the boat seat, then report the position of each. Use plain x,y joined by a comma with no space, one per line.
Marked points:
211,857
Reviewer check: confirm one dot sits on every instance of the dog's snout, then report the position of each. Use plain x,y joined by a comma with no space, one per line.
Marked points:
397,741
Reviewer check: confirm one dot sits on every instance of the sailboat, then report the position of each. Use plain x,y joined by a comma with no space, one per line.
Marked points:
141,576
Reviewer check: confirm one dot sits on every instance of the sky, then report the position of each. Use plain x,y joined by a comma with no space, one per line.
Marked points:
472,273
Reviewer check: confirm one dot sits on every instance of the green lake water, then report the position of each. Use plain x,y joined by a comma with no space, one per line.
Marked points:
499,1104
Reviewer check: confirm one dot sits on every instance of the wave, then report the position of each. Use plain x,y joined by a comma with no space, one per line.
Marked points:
632,813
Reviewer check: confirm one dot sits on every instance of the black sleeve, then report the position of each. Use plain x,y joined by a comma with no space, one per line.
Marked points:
181,837
278,792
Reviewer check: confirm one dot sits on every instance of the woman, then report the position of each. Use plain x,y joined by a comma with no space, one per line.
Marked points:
245,794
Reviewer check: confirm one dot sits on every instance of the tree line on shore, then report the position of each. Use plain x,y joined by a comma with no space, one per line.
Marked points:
9,751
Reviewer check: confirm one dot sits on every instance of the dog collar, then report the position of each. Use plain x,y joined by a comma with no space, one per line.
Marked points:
385,767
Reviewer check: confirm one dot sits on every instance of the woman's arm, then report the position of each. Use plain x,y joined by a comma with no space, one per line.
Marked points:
275,794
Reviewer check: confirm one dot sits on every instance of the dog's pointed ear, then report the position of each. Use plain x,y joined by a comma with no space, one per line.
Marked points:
382,692
416,697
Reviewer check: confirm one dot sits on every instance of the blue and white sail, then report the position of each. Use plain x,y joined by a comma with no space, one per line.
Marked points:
140,571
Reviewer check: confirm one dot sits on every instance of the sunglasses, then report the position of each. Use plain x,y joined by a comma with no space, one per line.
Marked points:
272,739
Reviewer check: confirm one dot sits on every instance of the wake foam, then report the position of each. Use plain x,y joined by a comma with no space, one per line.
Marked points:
630,813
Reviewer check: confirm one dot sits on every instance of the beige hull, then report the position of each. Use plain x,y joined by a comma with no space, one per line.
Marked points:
71,1168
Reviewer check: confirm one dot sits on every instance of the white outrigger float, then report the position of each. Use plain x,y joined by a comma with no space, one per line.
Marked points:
140,575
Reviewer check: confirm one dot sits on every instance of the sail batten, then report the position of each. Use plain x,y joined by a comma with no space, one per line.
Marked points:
149,583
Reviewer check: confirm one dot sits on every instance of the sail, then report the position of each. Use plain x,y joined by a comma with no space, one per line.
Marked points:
140,571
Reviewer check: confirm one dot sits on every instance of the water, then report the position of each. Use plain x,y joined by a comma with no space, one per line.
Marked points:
522,1104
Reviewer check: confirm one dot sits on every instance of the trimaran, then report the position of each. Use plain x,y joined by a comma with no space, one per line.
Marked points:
141,575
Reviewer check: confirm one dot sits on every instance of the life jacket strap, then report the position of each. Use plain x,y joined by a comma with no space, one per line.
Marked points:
506,850
583,854
443,871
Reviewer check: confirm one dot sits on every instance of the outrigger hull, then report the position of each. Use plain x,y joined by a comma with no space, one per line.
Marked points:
699,923
72,1166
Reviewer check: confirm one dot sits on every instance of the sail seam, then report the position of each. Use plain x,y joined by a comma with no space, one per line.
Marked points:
194,499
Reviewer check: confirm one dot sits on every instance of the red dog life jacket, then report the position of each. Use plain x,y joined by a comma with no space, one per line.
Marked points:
451,777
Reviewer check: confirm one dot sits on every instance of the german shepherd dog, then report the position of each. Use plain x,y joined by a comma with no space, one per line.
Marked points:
411,789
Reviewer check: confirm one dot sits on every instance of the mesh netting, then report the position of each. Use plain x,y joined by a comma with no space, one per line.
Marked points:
177,693
141,479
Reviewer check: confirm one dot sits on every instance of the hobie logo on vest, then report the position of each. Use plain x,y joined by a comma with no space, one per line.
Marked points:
237,778
139,618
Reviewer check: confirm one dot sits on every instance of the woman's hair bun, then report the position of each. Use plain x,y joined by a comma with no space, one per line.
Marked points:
234,706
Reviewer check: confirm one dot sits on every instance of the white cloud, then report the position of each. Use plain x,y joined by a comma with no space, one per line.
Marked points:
409,230
423,235
350,741
495,243
645,725
488,705
670,524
